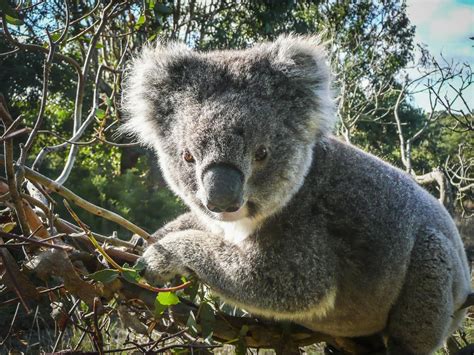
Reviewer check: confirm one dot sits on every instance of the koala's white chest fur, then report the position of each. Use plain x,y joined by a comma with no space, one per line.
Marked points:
238,231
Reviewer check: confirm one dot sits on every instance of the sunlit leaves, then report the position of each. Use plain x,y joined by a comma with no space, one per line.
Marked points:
163,300
167,298
99,113
140,22
8,227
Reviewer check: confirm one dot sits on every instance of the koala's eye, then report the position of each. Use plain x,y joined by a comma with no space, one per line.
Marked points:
261,153
188,157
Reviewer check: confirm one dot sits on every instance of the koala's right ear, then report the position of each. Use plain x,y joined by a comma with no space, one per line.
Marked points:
149,81
303,61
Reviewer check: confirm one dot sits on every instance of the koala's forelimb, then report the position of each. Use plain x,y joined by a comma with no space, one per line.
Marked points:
224,267
182,222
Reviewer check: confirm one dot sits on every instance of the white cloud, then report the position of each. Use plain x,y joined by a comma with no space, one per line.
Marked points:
456,23
421,11
445,27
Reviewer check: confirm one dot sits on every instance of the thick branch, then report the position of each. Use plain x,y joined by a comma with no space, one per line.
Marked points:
437,176
90,207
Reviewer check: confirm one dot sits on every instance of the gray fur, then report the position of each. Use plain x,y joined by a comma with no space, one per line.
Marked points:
330,237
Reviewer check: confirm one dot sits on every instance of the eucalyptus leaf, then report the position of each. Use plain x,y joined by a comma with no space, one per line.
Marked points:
131,275
151,4
99,113
159,308
139,265
207,319
13,20
141,20
167,298
8,227
191,324
105,276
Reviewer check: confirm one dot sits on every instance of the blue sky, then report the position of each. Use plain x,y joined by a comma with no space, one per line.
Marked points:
445,27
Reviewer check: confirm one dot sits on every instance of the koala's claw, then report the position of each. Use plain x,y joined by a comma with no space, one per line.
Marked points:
159,264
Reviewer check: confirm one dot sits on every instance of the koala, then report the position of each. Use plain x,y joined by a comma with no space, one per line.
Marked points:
285,220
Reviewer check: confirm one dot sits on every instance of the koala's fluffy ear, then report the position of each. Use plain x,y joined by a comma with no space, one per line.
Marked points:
303,60
148,83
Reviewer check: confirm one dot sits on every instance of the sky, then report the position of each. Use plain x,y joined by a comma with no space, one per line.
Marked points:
445,27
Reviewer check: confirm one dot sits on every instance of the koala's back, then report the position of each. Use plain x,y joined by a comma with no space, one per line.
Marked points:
360,190
368,216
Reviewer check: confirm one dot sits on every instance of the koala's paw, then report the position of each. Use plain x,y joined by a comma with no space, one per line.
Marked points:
160,264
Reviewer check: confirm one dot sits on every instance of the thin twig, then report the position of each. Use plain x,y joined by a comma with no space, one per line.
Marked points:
44,99
37,48
109,8
10,173
11,324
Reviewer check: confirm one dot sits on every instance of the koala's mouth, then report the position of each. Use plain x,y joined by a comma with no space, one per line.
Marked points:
241,213
247,210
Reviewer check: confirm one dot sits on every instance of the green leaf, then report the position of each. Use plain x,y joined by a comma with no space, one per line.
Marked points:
13,20
55,36
139,265
207,319
167,298
151,4
105,276
159,308
141,20
191,324
192,290
99,45
99,113
8,227
241,347
163,300
131,275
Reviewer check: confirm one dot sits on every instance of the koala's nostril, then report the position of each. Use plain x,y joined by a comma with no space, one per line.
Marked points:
233,208
214,208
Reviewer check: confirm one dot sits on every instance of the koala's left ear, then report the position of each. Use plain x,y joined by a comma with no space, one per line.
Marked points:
302,58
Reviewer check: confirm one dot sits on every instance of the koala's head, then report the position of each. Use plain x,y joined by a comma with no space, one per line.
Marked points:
233,130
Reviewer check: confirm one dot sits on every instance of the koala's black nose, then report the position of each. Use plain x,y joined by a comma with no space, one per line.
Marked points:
224,188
